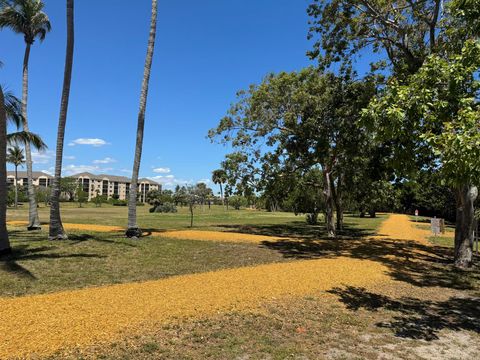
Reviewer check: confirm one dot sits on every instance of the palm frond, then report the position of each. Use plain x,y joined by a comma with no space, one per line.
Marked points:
13,108
23,137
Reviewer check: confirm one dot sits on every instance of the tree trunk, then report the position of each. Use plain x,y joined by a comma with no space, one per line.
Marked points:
191,215
4,241
373,213
337,195
466,196
33,221
221,195
329,202
133,230
56,231
16,186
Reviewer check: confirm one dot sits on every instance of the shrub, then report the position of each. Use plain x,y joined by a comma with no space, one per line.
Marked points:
237,201
164,208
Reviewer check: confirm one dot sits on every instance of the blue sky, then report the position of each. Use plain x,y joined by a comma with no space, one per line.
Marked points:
206,51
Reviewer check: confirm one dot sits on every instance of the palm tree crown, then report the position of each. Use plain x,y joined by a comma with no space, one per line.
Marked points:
15,155
25,17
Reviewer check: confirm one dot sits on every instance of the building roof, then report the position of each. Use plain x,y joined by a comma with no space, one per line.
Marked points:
35,174
122,179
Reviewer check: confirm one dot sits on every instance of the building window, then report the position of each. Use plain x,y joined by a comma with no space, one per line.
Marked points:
42,182
105,187
86,185
115,188
25,181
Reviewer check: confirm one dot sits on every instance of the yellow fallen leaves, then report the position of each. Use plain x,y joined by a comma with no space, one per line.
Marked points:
215,236
43,324
400,227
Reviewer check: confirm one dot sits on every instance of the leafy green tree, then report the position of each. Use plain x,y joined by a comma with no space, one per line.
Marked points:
26,17
56,230
68,186
15,156
133,231
81,196
292,122
238,202
402,33
440,104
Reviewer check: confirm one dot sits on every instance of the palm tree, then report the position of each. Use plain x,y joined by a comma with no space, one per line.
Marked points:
133,230
27,17
56,230
219,176
15,157
4,241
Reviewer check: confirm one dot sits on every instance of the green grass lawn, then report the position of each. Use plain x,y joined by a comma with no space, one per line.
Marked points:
204,217
38,265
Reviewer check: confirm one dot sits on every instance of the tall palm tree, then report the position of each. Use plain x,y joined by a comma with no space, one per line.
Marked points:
133,230
26,17
15,156
4,241
56,230
219,176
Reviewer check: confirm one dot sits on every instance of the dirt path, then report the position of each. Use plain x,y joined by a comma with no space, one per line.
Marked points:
42,324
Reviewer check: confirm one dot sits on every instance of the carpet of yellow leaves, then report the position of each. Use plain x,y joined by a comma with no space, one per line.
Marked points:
42,324
39,325
400,227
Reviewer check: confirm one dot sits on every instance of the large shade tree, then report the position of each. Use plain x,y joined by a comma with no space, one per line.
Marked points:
429,108
293,122
56,230
26,17
133,230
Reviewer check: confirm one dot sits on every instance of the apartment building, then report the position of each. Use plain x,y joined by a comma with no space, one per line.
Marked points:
112,185
93,185
39,178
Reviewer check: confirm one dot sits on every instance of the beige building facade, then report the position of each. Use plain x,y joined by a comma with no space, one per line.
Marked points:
39,178
113,186
93,185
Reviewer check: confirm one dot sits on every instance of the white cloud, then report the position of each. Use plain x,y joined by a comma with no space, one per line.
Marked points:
88,141
75,169
169,181
42,157
126,171
162,170
107,160
69,157
205,181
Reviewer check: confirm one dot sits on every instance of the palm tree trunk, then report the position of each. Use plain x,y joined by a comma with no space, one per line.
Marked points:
133,229
221,194
4,242
33,221
56,227
16,186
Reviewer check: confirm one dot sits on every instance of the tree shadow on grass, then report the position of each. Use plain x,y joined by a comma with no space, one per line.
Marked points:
408,261
416,319
298,230
9,262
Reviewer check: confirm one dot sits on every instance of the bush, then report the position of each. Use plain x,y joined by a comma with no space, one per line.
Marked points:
164,208
237,202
